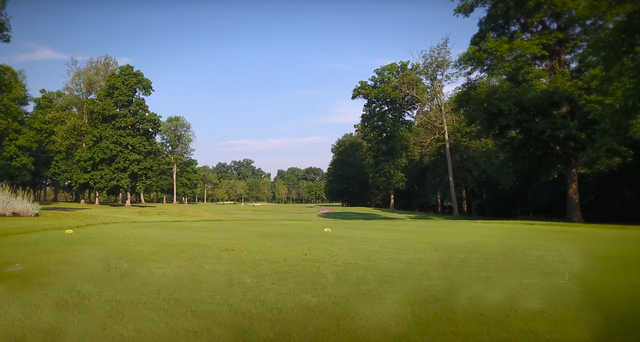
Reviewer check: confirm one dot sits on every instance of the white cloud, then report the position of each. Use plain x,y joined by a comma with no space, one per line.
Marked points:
348,111
43,53
38,54
248,145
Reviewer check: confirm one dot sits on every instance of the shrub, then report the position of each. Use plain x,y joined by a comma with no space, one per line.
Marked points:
16,202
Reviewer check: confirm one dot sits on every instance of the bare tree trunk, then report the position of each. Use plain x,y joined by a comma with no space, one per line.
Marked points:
205,194
439,202
128,203
574,213
120,197
55,193
45,194
175,170
465,206
142,197
186,199
392,200
164,199
452,188
97,198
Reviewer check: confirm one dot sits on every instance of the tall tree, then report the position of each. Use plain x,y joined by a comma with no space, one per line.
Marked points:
209,179
531,90
384,126
176,136
86,80
72,163
435,67
122,145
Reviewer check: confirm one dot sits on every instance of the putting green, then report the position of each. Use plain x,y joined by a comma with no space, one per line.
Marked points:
215,272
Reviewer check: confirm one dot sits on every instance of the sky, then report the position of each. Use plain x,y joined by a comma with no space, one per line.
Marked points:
265,80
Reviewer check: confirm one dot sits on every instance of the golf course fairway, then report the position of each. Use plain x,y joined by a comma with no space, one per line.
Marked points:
206,272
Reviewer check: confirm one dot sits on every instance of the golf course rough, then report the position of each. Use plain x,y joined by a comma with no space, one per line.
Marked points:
205,272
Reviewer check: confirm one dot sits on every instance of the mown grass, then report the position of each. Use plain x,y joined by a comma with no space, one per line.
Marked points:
208,272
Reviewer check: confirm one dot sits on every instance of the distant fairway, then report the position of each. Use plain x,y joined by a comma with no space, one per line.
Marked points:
209,272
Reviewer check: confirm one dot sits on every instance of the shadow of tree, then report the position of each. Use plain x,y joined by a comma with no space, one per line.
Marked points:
349,215
62,209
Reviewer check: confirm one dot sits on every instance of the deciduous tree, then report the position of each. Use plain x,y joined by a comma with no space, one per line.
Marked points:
176,136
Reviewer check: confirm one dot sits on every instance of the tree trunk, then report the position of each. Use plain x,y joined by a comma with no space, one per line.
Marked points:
120,197
142,197
128,203
439,202
452,188
205,194
97,198
574,213
392,200
465,206
164,199
175,170
186,199
55,193
45,194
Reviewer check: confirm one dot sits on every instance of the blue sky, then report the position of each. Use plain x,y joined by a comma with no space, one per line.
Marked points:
265,80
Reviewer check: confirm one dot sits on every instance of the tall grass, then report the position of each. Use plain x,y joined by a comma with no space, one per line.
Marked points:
17,202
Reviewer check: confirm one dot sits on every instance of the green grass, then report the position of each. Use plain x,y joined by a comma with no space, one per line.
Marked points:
208,272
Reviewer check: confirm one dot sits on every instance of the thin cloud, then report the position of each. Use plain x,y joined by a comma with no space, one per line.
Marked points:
271,143
44,53
38,54
345,112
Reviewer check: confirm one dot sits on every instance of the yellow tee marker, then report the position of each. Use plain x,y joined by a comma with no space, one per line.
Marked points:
68,231
328,230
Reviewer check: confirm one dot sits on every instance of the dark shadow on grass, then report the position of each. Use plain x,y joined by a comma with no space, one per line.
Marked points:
133,205
348,215
62,209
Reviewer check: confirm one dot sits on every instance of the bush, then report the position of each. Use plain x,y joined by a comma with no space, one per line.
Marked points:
16,202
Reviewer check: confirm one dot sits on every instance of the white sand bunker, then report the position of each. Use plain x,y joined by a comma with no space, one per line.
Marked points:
323,210
13,268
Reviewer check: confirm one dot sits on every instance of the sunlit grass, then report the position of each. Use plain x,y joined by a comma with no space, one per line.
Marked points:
213,272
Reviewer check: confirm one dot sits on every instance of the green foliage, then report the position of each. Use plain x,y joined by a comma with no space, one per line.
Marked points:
348,175
85,81
189,178
13,120
5,24
176,136
122,146
384,126
296,185
538,90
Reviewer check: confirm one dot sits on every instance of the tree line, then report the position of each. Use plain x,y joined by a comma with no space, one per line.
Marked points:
543,119
97,140
241,181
